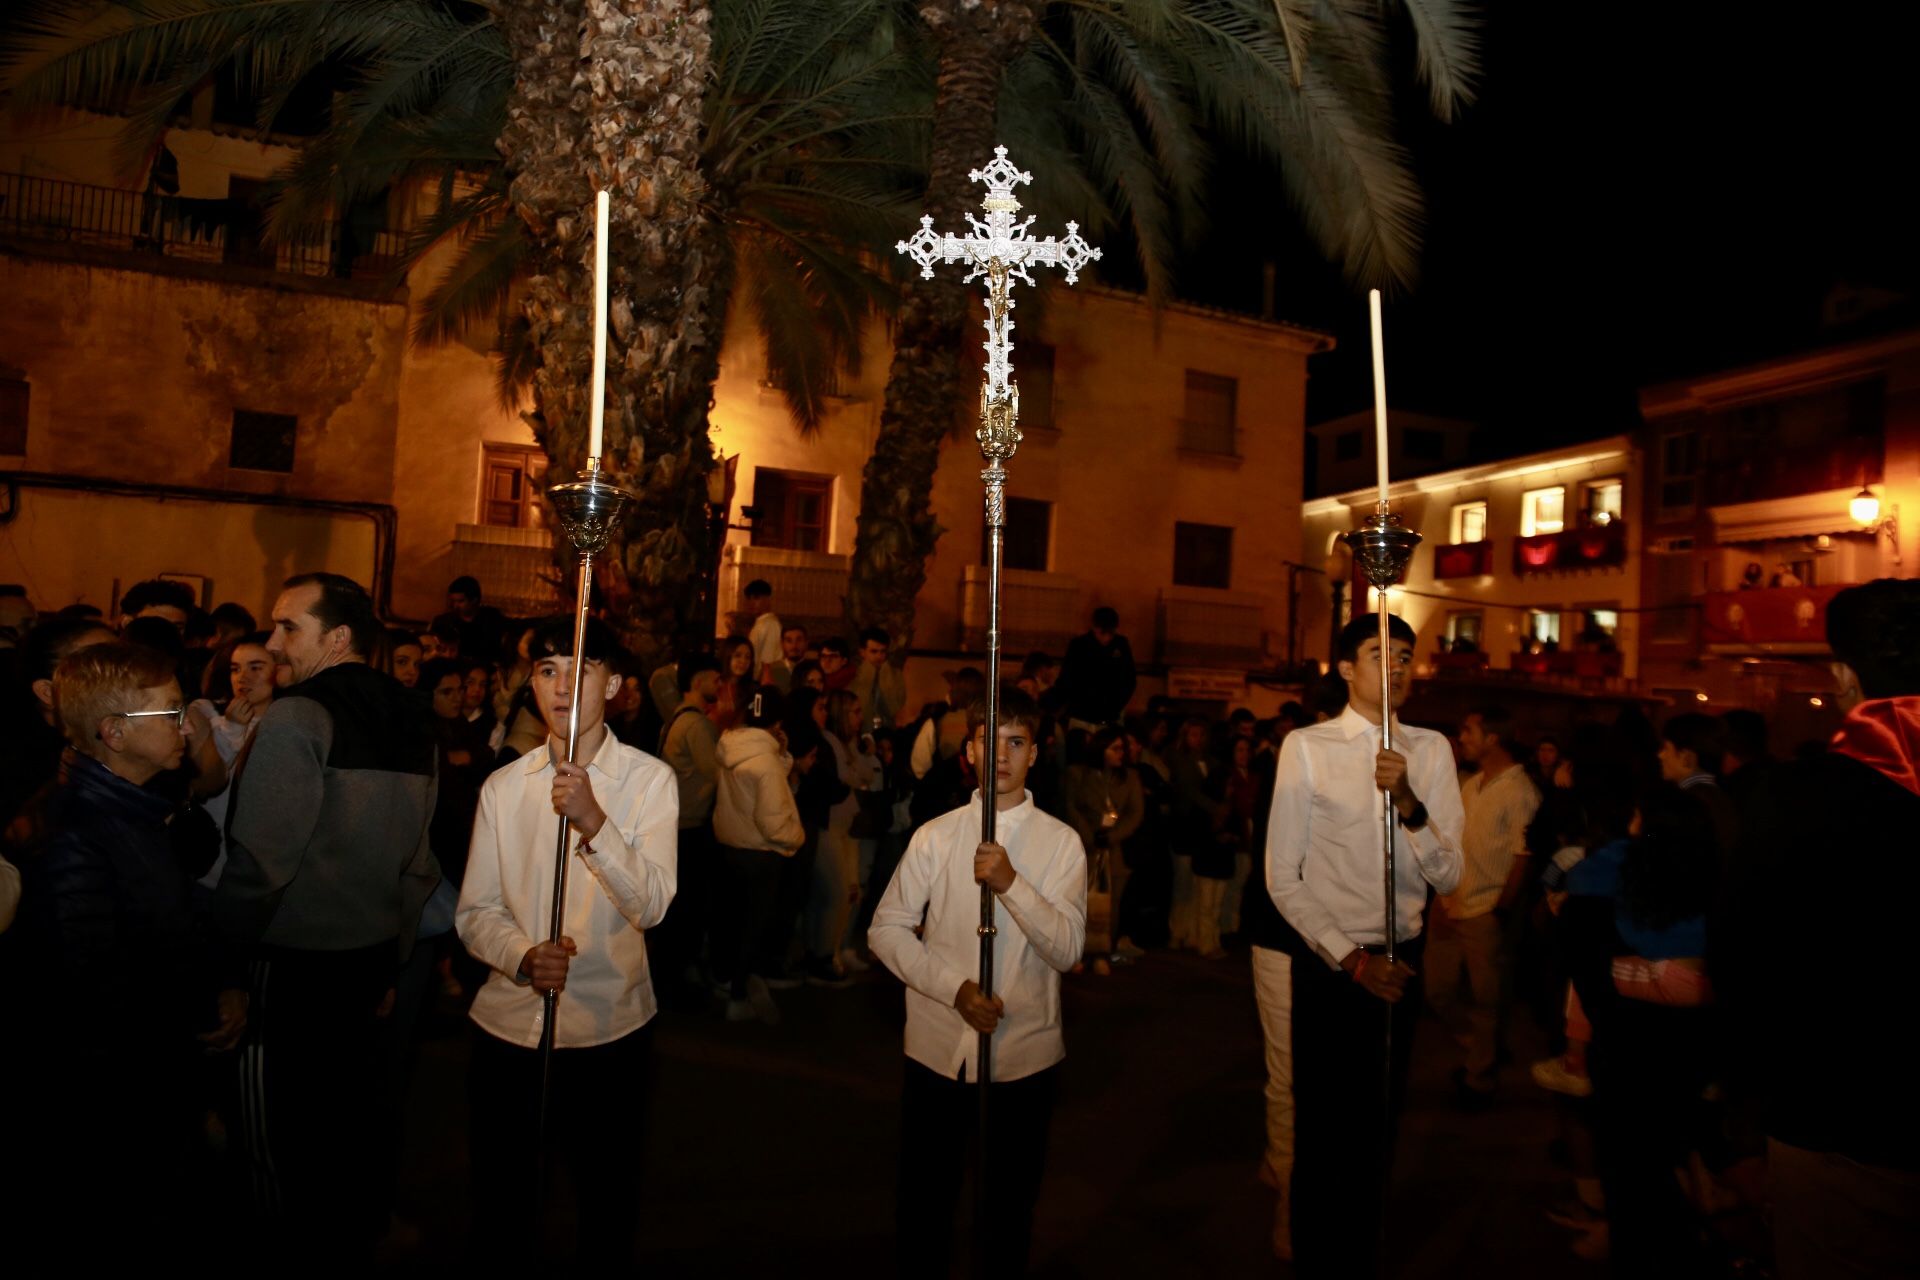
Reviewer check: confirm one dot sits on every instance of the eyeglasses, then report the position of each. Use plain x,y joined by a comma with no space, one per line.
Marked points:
176,714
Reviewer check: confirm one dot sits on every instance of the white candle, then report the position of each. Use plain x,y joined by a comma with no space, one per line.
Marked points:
599,410
1379,392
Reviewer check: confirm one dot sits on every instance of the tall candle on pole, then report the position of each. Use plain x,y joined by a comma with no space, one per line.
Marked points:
598,412
1379,394
587,509
1382,545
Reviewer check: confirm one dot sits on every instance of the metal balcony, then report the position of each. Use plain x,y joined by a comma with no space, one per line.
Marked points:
147,227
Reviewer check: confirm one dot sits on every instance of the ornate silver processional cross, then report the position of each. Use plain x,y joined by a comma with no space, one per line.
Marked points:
999,249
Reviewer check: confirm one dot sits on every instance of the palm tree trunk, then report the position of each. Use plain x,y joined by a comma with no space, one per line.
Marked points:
608,93
929,382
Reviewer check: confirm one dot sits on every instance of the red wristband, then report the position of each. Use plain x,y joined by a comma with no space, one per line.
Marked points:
1361,967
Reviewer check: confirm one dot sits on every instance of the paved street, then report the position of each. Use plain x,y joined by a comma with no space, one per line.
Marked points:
770,1150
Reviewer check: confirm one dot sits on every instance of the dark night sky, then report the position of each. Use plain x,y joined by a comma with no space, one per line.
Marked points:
1641,191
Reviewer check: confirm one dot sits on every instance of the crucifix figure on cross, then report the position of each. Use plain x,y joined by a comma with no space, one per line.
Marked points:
999,249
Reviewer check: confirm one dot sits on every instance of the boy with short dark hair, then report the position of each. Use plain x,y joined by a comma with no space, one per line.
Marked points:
622,807
878,684
793,651
765,634
1691,747
1038,872
834,652
158,598
1324,872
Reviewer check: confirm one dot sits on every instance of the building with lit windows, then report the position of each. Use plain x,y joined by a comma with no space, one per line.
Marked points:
1771,487
1527,566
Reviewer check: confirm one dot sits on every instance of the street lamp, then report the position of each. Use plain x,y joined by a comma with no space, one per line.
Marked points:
1864,507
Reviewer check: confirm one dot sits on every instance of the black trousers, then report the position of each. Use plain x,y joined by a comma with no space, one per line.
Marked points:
1650,1066
316,1119
887,851
1347,1113
676,943
749,880
794,885
939,1122
597,1097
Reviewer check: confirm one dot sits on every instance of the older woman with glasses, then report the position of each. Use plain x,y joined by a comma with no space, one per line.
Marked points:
107,909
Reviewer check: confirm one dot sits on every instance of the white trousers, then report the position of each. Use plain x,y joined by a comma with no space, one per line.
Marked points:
1273,992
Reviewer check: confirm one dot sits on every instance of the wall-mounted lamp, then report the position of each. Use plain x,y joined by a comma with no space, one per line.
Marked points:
1864,507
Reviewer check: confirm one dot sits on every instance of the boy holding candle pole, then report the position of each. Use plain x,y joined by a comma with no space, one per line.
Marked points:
622,809
1324,871
1038,872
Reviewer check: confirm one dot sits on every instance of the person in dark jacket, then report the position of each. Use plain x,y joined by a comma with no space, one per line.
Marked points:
1809,956
1147,903
463,763
1096,680
132,993
329,863
1632,902
817,789
1193,822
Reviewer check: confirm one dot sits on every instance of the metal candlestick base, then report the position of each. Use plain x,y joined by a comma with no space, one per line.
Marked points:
1382,546
589,508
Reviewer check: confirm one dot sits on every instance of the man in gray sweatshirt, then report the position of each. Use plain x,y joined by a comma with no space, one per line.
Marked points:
328,868
687,745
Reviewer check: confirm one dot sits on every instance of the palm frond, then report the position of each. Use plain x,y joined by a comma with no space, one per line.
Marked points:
1447,45
1295,18
515,360
1350,183
475,287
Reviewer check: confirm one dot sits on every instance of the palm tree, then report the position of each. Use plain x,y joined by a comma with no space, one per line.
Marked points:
755,140
1110,102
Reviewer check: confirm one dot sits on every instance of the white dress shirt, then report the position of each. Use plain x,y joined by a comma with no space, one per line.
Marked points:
1042,930
1323,835
765,639
230,738
614,892
1494,834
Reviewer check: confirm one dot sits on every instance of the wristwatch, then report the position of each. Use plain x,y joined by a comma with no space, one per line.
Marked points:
1418,818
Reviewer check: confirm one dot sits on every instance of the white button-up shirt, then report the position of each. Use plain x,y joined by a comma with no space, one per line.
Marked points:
1497,814
1323,837
1042,930
614,892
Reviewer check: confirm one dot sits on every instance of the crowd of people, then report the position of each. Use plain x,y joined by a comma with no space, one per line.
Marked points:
240,861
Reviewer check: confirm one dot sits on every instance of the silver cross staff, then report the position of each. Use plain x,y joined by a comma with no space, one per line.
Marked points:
999,249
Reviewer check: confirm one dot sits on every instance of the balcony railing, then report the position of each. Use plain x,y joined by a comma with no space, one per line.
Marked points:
1597,547
809,587
1463,559
1776,619
1205,628
516,564
1037,610
184,229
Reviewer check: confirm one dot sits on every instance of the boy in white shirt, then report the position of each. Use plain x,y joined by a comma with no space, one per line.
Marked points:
1325,872
622,808
766,631
1038,871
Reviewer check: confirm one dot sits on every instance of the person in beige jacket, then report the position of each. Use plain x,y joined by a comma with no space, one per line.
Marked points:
756,823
